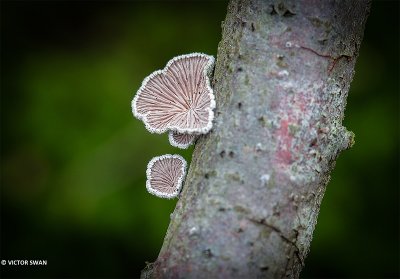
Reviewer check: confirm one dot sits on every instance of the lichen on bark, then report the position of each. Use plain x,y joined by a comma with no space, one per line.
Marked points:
253,191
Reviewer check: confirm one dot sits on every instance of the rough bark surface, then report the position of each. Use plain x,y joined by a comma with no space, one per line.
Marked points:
253,192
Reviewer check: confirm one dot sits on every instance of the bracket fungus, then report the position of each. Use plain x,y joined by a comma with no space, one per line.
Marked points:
181,140
178,98
165,175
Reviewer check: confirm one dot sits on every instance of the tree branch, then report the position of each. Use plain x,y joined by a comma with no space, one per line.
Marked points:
253,192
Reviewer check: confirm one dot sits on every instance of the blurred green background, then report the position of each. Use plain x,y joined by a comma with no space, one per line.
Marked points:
73,158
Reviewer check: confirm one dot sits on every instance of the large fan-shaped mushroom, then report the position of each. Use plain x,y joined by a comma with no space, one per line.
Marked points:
165,175
179,97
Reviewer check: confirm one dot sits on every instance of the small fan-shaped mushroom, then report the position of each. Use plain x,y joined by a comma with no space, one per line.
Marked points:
182,141
179,97
165,175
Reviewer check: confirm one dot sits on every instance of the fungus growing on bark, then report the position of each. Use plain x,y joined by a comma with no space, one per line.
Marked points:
165,175
179,97
182,141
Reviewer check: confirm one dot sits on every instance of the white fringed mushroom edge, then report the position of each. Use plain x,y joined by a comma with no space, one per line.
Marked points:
180,179
174,143
207,72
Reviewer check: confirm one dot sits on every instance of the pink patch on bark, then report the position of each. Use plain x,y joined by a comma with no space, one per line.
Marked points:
295,108
283,154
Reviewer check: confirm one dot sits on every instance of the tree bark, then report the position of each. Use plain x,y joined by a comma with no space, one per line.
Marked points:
253,192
